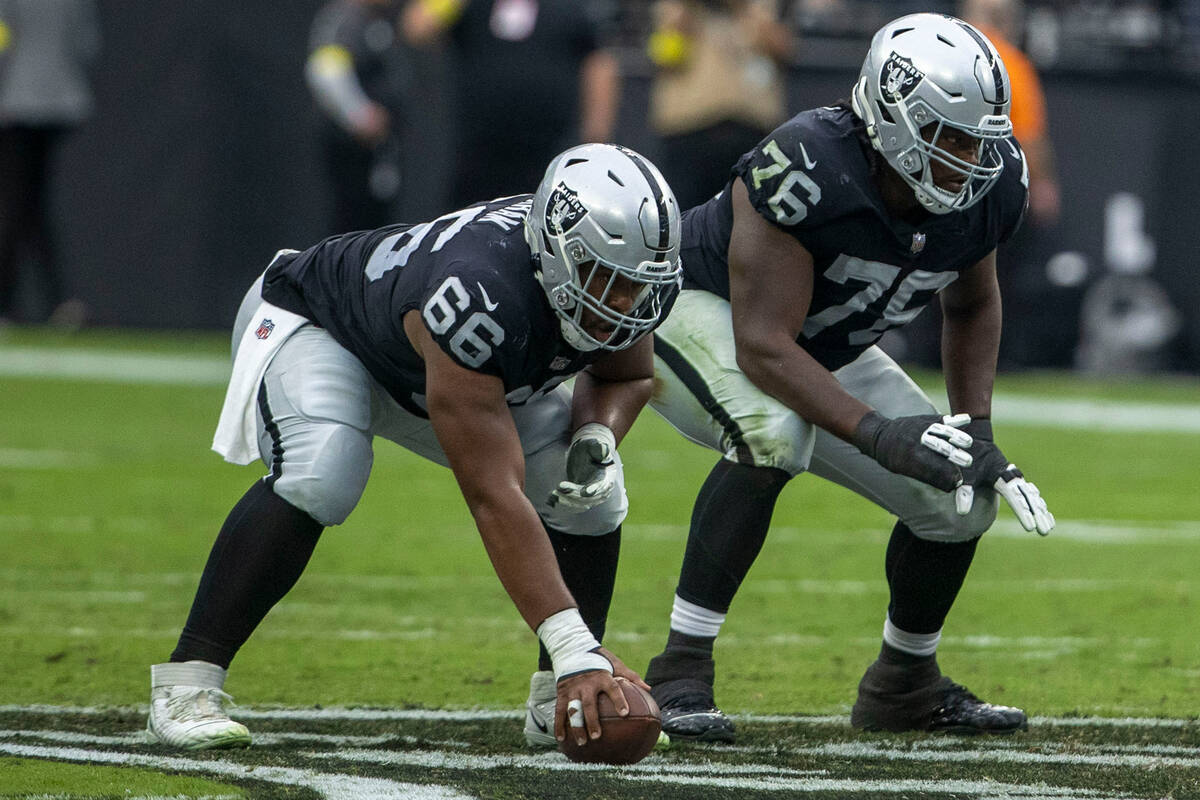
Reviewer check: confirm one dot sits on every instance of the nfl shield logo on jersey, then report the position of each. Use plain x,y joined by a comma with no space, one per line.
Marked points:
918,242
264,328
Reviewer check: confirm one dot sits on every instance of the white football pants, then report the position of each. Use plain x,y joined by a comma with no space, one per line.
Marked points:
701,391
320,411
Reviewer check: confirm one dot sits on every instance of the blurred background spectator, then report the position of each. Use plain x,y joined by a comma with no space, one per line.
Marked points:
1039,330
718,87
197,163
46,50
530,78
358,74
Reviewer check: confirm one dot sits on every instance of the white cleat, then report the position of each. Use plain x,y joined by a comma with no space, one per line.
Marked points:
539,710
187,708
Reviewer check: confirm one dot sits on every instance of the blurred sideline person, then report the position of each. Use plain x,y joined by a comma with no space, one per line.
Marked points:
46,50
358,76
845,222
531,77
1041,319
451,338
718,87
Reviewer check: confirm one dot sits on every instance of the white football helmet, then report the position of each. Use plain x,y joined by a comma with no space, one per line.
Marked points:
603,205
935,70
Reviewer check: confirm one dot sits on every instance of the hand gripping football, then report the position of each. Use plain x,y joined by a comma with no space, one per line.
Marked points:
623,740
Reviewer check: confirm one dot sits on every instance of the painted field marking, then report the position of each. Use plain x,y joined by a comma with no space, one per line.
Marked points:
334,714
130,366
328,785
113,366
14,458
734,777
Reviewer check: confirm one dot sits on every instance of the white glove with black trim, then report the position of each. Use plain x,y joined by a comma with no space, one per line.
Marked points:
927,447
593,472
992,468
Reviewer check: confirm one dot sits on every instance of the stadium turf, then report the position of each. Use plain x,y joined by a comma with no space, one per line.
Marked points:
110,499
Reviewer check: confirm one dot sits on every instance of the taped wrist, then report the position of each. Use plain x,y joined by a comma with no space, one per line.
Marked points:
595,430
571,646
979,428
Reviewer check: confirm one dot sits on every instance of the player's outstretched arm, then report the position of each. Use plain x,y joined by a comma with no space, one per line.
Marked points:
476,431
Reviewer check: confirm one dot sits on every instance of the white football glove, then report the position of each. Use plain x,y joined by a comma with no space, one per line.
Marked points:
945,439
992,468
593,472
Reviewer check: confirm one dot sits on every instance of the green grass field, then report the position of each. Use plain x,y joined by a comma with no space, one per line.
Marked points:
110,500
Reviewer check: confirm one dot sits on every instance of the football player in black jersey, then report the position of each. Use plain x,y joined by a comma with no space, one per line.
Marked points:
842,223
451,338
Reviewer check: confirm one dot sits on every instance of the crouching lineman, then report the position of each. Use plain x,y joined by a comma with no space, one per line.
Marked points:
452,339
845,222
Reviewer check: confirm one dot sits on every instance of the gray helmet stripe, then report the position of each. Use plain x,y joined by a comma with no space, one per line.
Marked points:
994,62
660,200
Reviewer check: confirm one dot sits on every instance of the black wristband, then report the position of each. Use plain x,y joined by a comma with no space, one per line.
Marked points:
979,428
867,431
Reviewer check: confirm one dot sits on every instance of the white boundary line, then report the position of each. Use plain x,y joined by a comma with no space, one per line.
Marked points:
131,366
471,715
328,785
762,777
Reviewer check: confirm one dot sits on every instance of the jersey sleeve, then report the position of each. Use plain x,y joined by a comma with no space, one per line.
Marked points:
476,319
786,177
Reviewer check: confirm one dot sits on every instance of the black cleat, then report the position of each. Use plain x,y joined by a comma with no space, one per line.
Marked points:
898,698
962,712
690,713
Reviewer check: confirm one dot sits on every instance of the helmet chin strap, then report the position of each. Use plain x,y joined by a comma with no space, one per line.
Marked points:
576,337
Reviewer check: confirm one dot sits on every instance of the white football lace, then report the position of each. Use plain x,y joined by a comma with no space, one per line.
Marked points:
197,703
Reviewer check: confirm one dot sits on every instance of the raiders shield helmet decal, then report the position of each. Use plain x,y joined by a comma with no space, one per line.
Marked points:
899,77
563,210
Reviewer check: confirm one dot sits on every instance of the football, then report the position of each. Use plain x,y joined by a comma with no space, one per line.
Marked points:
623,740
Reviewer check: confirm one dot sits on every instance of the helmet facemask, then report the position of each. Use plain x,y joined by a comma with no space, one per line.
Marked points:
916,165
597,284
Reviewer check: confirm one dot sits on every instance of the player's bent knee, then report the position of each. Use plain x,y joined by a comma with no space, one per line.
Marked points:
781,441
327,482
942,523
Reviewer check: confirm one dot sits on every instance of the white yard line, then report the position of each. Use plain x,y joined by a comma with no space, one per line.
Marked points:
714,775
328,785
470,715
128,366
12,458
113,366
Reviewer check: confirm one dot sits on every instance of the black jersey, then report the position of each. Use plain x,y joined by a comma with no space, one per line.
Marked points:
470,275
812,178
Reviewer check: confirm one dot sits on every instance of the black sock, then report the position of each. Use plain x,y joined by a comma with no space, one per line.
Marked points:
729,525
589,568
924,578
899,658
685,657
259,554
